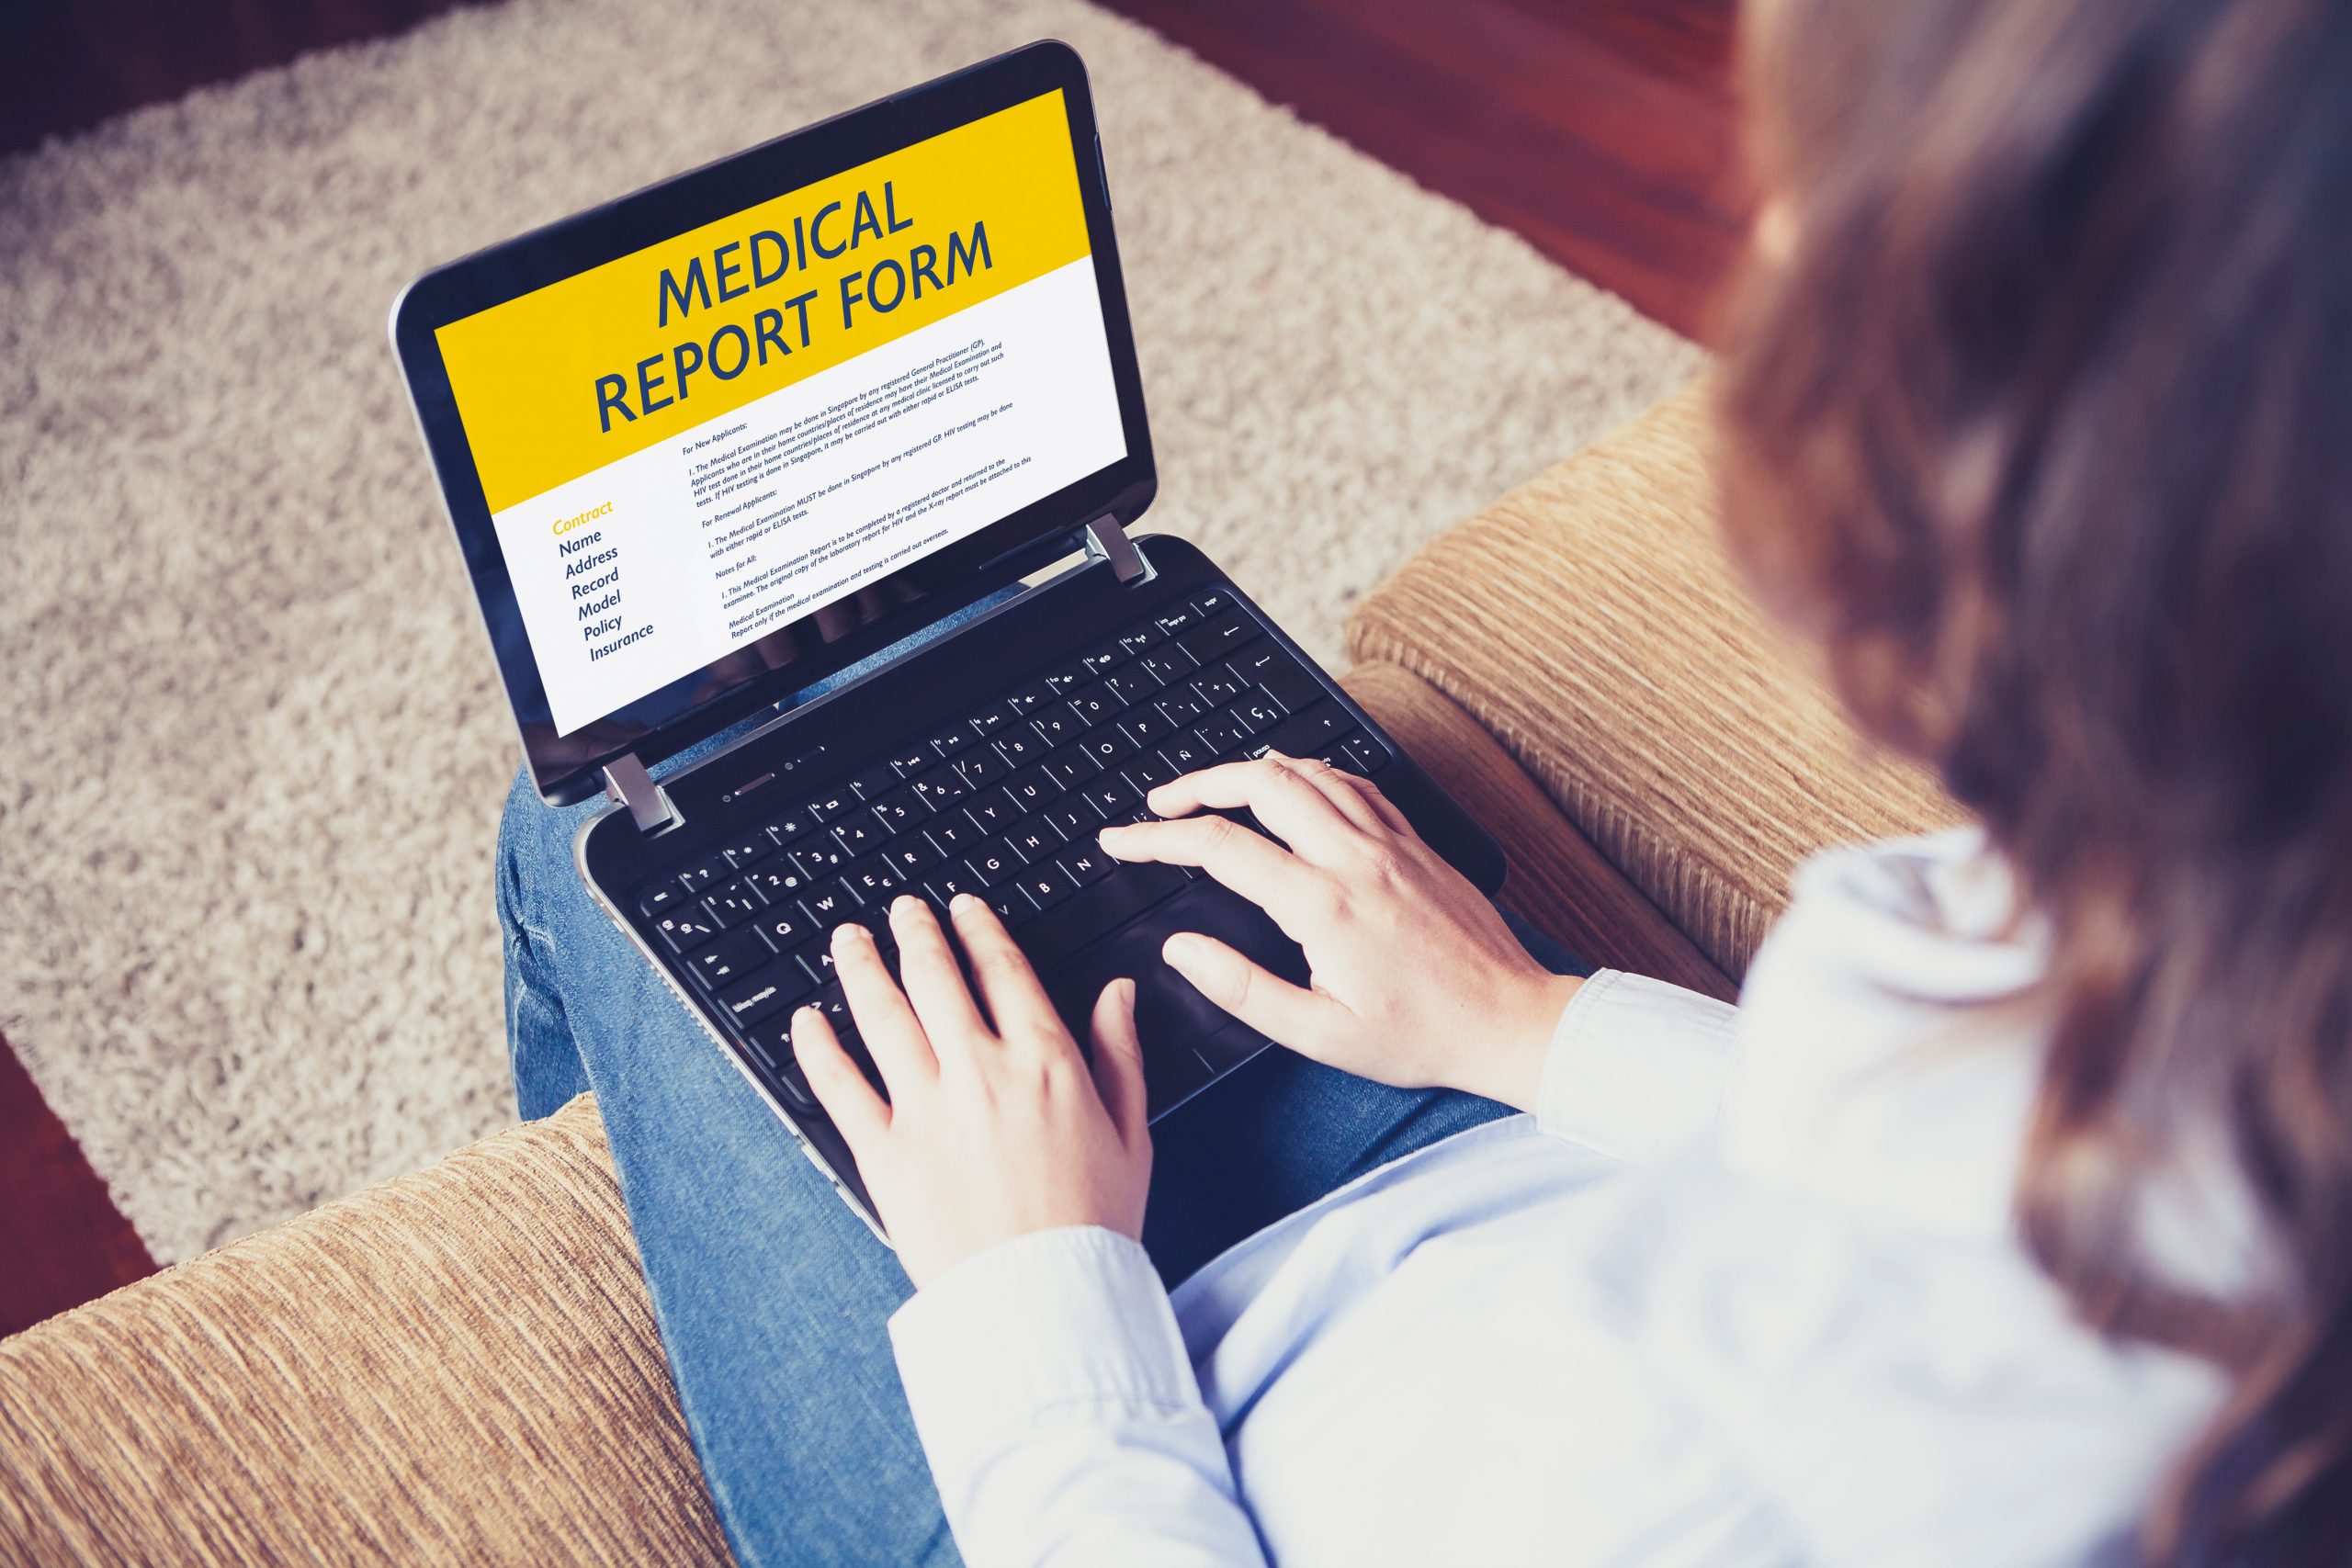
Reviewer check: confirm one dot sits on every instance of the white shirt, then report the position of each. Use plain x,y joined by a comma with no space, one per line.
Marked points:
1745,1290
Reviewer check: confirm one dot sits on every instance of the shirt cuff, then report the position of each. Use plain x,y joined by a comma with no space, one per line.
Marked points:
1637,1066
1070,1316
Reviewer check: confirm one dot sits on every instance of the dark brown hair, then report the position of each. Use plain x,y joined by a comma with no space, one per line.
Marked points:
2039,428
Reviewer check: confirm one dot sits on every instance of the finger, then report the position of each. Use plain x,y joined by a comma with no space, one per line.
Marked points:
892,1034
1118,1061
1390,817
838,1087
928,969
1262,871
1007,985
1332,784
1290,1015
1293,810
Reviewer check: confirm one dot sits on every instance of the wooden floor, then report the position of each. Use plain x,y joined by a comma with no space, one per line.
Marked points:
1602,130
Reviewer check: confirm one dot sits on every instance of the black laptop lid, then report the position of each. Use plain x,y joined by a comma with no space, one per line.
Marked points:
723,437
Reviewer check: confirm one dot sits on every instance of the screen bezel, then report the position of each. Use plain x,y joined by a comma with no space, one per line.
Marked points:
945,580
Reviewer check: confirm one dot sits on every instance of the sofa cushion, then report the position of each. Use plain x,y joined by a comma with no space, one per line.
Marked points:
459,1366
1589,622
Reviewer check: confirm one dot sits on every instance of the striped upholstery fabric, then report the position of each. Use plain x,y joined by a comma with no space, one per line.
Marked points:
460,1366
1588,622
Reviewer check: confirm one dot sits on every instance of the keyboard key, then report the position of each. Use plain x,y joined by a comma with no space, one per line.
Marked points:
830,904
899,810
1214,639
859,834
1176,623
939,787
1294,688
1073,820
1369,754
1095,704
1108,746
771,1041
705,874
1307,733
1213,602
734,904
687,929
1188,754
1067,679
912,855
874,882
1012,906
953,738
1221,735
1031,788
1132,685
911,761
981,767
1034,841
1149,771
1047,885
1140,638
992,812
832,804
1030,698
1103,660
954,833
1143,726
778,879
1256,714
792,825
1087,864
820,858
949,880
994,863
1217,685
784,926
830,1002
1020,747
769,992
1111,798
877,780
993,719
1070,767
1170,665
1180,706
666,892
726,961
748,849
1058,726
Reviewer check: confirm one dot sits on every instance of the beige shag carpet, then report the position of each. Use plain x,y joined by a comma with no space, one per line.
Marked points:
255,755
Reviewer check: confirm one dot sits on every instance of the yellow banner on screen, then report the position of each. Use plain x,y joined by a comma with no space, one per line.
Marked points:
574,376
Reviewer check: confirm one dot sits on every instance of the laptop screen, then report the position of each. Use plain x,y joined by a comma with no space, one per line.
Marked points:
698,454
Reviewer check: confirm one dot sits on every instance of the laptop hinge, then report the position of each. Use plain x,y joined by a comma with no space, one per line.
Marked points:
1106,540
626,781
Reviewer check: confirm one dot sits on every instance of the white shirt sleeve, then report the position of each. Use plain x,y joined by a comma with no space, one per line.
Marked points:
1637,1066
1059,1413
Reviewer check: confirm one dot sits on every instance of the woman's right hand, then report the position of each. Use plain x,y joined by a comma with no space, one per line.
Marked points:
1415,979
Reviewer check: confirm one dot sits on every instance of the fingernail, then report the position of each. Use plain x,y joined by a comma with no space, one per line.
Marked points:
1184,948
904,904
965,903
1127,995
849,931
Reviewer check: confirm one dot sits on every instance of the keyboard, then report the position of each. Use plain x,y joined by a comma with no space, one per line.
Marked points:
1005,803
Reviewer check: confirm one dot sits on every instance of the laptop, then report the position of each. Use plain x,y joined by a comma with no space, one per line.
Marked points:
845,434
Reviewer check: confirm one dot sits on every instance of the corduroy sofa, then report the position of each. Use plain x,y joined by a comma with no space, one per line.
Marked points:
461,1365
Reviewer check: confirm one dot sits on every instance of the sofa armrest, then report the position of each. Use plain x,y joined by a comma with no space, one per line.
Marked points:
1589,623
458,1366
1558,881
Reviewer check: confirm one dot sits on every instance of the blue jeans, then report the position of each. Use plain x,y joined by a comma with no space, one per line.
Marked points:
771,1296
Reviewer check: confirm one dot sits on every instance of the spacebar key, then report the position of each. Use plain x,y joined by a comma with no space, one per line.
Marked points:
1097,911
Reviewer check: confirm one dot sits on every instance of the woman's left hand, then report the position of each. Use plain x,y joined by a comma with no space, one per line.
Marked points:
994,1126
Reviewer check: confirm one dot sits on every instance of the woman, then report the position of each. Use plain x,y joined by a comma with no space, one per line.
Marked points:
2007,1219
